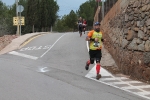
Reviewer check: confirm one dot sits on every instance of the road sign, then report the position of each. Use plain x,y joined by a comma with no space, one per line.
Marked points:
16,21
20,8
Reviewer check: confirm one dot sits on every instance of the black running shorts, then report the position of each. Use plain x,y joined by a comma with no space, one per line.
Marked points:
95,55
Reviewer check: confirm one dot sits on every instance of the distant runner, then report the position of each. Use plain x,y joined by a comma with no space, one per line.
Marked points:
80,22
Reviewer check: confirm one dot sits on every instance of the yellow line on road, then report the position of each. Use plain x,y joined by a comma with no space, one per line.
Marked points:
29,40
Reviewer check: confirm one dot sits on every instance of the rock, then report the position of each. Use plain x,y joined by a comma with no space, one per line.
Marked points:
128,24
140,34
141,47
148,32
131,17
135,16
148,22
147,2
139,41
135,24
145,29
148,7
124,43
148,27
136,29
132,22
143,15
147,13
145,38
142,28
130,35
125,31
147,46
131,13
136,4
133,45
137,11
146,57
144,8
138,23
142,23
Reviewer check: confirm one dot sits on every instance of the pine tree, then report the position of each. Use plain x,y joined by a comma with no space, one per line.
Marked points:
31,15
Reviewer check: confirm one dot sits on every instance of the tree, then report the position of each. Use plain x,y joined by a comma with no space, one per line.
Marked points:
72,18
5,19
87,11
32,12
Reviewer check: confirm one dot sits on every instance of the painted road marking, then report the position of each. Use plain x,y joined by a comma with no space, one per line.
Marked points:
43,70
144,93
108,79
23,55
127,82
143,86
52,46
49,47
35,48
119,82
25,43
92,73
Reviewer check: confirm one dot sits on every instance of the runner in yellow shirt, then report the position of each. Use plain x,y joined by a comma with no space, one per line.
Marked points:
95,46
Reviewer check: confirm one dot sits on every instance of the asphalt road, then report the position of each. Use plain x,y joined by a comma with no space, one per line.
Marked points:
51,67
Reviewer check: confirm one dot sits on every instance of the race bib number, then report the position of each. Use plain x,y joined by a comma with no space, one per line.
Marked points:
96,44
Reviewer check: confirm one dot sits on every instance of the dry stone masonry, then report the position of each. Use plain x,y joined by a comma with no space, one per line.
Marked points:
129,35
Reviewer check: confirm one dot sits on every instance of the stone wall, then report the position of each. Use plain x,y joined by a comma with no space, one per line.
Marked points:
128,38
118,6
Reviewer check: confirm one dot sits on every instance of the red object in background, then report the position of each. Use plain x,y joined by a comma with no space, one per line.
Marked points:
84,22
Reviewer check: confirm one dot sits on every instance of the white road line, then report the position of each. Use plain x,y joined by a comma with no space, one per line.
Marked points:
144,93
127,82
23,55
109,79
52,45
137,87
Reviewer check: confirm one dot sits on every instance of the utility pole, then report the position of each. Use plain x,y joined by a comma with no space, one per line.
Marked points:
17,17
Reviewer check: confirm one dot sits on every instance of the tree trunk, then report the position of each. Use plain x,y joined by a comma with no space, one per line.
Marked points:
33,29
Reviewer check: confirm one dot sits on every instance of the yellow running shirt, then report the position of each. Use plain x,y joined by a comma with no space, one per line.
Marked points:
95,45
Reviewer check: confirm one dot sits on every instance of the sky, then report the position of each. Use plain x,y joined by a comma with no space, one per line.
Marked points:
65,5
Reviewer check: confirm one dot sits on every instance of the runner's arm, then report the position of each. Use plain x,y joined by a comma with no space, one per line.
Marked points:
88,38
103,40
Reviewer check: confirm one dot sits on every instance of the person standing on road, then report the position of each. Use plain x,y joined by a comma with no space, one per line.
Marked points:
95,46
